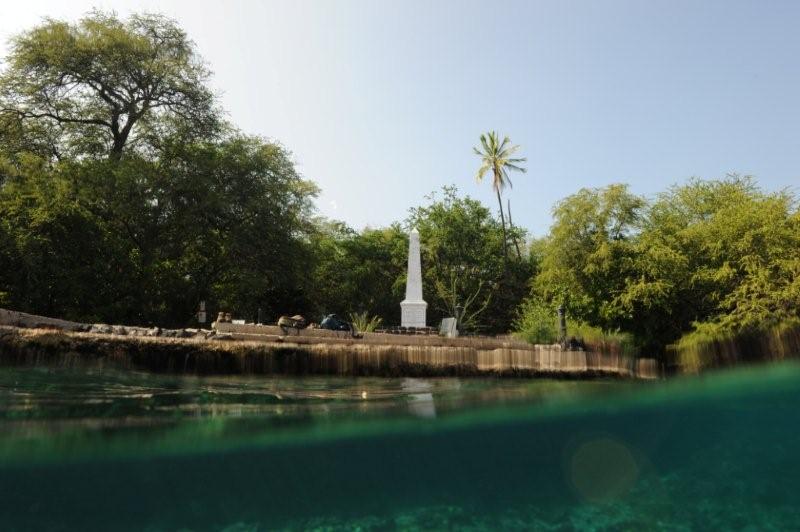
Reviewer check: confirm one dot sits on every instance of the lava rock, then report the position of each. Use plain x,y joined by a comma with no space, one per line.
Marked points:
101,328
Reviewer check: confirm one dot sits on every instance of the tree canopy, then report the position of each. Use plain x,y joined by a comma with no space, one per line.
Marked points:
123,196
99,86
709,255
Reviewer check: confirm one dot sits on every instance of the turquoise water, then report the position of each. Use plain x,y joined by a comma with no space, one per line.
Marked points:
132,451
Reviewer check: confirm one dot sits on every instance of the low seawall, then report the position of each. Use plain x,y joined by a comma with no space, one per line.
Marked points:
38,347
13,318
306,336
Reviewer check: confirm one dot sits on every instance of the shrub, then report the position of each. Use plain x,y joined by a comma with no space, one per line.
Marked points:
596,339
536,322
364,323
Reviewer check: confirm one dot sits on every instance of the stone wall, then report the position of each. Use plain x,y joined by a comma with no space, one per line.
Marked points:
32,321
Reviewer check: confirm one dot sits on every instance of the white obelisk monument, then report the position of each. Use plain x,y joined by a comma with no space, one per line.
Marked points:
412,309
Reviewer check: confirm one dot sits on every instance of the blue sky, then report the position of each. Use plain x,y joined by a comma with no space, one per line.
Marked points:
381,102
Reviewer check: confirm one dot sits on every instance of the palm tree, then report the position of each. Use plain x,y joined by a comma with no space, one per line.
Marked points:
497,158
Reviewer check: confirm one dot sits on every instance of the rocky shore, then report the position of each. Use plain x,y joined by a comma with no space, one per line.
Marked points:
31,321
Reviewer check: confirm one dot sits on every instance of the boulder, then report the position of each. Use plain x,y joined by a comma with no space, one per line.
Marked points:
101,328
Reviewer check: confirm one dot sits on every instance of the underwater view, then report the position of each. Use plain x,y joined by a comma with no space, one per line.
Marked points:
96,450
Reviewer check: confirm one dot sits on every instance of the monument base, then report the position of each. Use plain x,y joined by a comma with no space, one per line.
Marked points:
412,313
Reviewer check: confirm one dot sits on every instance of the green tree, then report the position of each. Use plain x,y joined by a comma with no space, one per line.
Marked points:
463,263
60,258
497,159
122,195
141,241
232,220
359,272
589,254
102,85
721,252
715,257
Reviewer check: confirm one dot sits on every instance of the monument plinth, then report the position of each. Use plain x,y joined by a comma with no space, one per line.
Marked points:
413,307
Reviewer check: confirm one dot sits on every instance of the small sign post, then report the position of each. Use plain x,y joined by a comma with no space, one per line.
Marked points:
201,312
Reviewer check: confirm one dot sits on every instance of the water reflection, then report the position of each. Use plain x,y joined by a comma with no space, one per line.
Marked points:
420,398
69,411
46,395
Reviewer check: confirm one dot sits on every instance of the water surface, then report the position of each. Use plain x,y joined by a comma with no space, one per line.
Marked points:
105,450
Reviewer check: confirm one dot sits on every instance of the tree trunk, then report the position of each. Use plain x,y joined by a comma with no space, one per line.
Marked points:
511,227
116,149
503,223
120,136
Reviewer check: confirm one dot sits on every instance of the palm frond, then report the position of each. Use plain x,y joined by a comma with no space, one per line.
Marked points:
482,172
516,168
497,157
485,142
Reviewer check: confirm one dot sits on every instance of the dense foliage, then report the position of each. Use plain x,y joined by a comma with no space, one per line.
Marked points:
706,257
359,273
143,241
124,197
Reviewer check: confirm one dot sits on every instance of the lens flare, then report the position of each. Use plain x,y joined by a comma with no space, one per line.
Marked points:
602,469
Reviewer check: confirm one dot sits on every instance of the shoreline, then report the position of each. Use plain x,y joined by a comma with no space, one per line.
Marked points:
37,347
